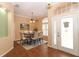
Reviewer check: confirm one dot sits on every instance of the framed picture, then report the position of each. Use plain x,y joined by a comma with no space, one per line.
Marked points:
24,26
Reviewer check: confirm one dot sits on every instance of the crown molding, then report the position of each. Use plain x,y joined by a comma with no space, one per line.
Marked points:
21,16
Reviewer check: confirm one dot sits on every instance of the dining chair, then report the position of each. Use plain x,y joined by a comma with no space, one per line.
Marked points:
22,38
35,38
40,36
25,38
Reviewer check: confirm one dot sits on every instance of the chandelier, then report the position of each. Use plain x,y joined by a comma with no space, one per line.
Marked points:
32,19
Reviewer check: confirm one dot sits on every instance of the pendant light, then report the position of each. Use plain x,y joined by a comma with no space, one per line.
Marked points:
32,19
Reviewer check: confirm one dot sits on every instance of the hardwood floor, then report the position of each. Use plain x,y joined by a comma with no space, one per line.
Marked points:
39,51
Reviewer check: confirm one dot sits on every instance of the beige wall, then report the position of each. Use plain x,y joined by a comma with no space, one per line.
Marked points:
6,43
19,20
38,24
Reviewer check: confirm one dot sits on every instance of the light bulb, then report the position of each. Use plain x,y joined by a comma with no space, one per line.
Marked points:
33,21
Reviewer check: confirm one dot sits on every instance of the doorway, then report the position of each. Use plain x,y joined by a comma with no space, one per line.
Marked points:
65,33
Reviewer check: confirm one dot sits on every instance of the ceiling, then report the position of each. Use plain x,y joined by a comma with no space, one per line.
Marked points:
26,8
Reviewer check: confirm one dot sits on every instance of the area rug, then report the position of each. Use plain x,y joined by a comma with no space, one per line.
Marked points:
28,47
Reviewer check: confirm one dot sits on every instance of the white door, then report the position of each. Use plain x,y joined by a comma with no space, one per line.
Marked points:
64,30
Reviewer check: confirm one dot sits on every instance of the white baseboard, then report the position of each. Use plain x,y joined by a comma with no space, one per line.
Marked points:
6,52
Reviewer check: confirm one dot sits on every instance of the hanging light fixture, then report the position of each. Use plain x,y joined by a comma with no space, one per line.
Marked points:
32,19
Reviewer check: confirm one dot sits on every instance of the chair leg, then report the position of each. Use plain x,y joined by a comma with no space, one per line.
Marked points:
27,41
39,41
42,40
31,42
34,42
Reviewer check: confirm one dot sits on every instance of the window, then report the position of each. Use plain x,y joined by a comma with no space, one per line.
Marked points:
45,26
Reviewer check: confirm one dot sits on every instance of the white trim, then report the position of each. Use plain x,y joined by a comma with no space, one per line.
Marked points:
21,16
6,52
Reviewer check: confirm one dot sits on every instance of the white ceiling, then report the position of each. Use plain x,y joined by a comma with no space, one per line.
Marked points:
26,9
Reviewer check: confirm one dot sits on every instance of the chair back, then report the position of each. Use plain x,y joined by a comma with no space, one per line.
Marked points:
40,35
35,35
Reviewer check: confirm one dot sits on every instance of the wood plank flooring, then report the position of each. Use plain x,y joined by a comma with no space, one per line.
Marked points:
39,51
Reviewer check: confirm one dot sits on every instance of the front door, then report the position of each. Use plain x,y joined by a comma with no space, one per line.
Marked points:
63,33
